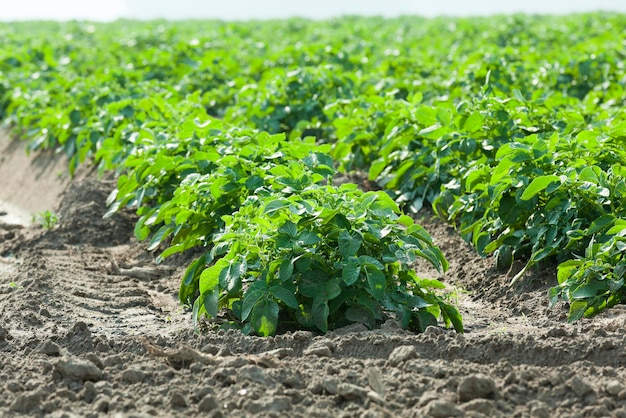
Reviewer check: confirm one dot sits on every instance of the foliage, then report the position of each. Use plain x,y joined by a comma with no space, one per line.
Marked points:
322,258
47,219
511,127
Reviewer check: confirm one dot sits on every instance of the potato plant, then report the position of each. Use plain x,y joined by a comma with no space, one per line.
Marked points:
320,259
516,142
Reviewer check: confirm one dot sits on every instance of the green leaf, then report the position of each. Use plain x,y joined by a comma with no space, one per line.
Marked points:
474,122
210,277
538,184
481,240
286,295
210,302
566,269
553,295
189,285
274,206
601,223
254,182
577,310
308,238
286,270
289,228
319,311
197,312
365,260
361,314
376,281
620,225
264,318
255,292
332,289
452,314
376,168
350,273
349,243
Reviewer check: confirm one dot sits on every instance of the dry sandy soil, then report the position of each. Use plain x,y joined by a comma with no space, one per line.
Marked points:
90,327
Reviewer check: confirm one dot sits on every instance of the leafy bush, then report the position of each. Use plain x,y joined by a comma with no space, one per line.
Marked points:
517,143
321,259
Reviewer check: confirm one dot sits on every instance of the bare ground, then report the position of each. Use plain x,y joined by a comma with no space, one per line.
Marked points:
91,327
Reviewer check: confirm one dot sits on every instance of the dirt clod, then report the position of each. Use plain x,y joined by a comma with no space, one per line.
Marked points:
319,349
133,375
401,354
442,409
177,400
28,402
49,348
208,404
476,386
580,387
78,369
614,387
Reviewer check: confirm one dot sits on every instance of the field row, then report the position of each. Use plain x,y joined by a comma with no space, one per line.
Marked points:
226,137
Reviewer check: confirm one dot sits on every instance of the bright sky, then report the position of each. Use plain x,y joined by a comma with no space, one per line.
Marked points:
104,10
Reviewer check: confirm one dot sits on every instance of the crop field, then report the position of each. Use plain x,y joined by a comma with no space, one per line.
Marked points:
354,217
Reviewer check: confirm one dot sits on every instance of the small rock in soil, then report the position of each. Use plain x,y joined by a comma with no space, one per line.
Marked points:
351,392
614,387
331,385
133,375
484,406
269,404
443,409
391,326
27,402
102,404
601,411
46,367
95,360
350,329
177,400
402,353
82,329
235,362
255,374
208,404
113,361
580,387
375,397
375,381
539,409
88,394
78,369
476,386
201,392
49,348
66,394
433,330
318,349
13,386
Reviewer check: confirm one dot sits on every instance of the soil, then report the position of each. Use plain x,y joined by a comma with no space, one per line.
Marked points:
90,326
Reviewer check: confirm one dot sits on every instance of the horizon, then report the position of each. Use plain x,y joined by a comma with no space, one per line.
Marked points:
65,10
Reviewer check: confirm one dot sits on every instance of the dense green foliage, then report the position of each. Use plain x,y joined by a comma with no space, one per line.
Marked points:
512,128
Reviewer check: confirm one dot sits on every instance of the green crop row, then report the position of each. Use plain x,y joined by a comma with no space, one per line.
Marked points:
512,128
280,247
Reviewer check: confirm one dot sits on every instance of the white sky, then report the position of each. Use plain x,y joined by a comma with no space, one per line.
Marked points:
104,10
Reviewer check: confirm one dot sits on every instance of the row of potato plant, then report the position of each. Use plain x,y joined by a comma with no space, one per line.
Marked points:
515,141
